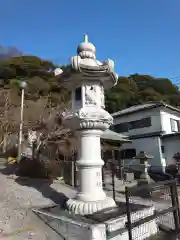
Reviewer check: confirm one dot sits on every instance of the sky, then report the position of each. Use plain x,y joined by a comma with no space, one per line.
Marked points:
141,36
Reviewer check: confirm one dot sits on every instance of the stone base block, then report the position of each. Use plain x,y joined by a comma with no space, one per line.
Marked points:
85,208
108,224
69,226
117,230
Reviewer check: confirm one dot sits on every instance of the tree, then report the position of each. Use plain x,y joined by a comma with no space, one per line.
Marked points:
138,89
42,96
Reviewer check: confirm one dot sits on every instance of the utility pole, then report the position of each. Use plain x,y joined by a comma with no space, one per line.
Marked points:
23,85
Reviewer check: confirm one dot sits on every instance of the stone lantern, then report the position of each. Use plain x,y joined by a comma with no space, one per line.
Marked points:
88,118
144,177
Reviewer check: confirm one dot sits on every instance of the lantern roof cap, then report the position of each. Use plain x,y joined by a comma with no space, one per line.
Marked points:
86,49
86,66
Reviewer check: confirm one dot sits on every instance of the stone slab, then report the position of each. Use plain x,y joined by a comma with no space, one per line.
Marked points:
106,224
69,226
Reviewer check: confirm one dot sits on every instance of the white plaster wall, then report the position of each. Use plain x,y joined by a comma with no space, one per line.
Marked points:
165,119
151,145
171,146
160,121
155,121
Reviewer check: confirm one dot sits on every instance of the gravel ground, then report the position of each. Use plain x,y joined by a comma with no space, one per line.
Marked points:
16,200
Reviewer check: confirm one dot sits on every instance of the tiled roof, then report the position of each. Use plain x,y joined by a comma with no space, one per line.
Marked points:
141,107
111,135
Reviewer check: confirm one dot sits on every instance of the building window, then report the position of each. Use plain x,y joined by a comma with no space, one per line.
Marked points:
78,94
174,125
144,122
125,127
122,127
127,153
116,154
163,151
110,155
107,155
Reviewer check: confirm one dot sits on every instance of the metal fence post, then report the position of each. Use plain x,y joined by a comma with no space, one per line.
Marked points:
174,204
177,201
128,211
103,178
75,173
34,150
72,173
113,184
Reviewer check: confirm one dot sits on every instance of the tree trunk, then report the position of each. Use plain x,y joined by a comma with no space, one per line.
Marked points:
5,143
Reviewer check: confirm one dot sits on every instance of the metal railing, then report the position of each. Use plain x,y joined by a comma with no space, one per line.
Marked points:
164,197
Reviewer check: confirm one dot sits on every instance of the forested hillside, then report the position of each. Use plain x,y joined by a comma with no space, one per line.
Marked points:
45,95
137,89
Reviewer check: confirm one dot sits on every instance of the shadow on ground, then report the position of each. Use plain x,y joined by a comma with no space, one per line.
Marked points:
164,236
9,169
44,187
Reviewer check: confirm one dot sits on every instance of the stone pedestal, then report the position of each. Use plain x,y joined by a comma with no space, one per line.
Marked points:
84,208
90,197
90,166
144,177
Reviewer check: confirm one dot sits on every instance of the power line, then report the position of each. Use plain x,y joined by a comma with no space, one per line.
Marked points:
177,77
